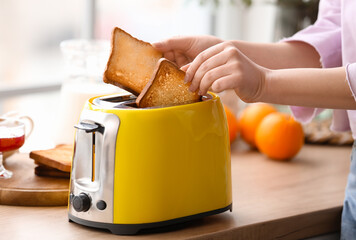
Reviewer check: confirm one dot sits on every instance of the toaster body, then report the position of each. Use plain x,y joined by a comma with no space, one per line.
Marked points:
135,169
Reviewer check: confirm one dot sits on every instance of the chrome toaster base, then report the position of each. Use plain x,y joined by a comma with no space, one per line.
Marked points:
131,229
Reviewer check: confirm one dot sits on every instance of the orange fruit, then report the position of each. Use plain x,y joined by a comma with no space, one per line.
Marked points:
232,123
251,117
279,136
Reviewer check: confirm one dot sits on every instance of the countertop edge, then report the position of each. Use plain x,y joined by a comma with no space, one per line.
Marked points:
309,225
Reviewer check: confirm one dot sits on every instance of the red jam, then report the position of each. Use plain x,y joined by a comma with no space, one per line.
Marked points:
9,144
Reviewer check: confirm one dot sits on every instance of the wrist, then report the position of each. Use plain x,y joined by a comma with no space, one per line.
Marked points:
265,85
261,93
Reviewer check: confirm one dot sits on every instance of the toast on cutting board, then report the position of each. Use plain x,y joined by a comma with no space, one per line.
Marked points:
59,157
131,62
44,171
166,87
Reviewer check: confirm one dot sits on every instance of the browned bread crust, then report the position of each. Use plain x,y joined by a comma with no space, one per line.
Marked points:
131,62
166,88
44,171
59,157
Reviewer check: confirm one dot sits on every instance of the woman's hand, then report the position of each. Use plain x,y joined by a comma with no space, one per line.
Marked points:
223,67
182,50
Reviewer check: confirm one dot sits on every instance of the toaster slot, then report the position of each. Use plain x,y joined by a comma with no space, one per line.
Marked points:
83,152
87,142
115,101
93,159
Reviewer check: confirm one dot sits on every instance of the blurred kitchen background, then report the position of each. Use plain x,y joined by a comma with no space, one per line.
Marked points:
33,68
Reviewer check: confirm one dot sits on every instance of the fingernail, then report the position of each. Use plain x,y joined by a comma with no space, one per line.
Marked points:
185,67
191,89
186,78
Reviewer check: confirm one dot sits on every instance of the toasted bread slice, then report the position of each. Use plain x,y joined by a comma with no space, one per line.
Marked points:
59,157
45,171
131,62
166,88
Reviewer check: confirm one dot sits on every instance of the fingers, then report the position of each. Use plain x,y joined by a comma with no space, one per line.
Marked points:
180,59
169,55
207,69
185,67
200,59
174,44
223,83
214,63
175,49
212,76
219,67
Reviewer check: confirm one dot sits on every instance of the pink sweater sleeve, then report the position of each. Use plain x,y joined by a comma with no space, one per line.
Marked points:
325,36
351,77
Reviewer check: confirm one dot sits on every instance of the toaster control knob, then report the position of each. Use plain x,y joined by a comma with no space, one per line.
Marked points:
81,203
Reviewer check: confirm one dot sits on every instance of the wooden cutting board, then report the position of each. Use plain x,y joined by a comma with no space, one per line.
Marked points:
27,189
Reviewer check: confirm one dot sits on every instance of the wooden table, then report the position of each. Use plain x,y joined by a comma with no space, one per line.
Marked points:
271,200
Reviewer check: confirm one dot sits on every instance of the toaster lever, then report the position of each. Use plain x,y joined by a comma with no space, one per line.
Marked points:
89,127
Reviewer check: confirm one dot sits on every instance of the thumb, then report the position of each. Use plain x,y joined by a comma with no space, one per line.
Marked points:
179,43
161,46
158,45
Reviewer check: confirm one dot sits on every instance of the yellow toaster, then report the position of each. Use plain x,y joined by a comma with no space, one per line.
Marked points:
136,169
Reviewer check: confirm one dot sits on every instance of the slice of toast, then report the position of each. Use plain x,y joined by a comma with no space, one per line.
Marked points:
131,62
166,88
45,171
59,157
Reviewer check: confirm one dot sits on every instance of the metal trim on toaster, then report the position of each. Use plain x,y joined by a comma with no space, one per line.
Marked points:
98,188
154,227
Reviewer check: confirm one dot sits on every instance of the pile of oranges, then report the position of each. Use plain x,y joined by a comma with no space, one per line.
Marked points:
277,135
